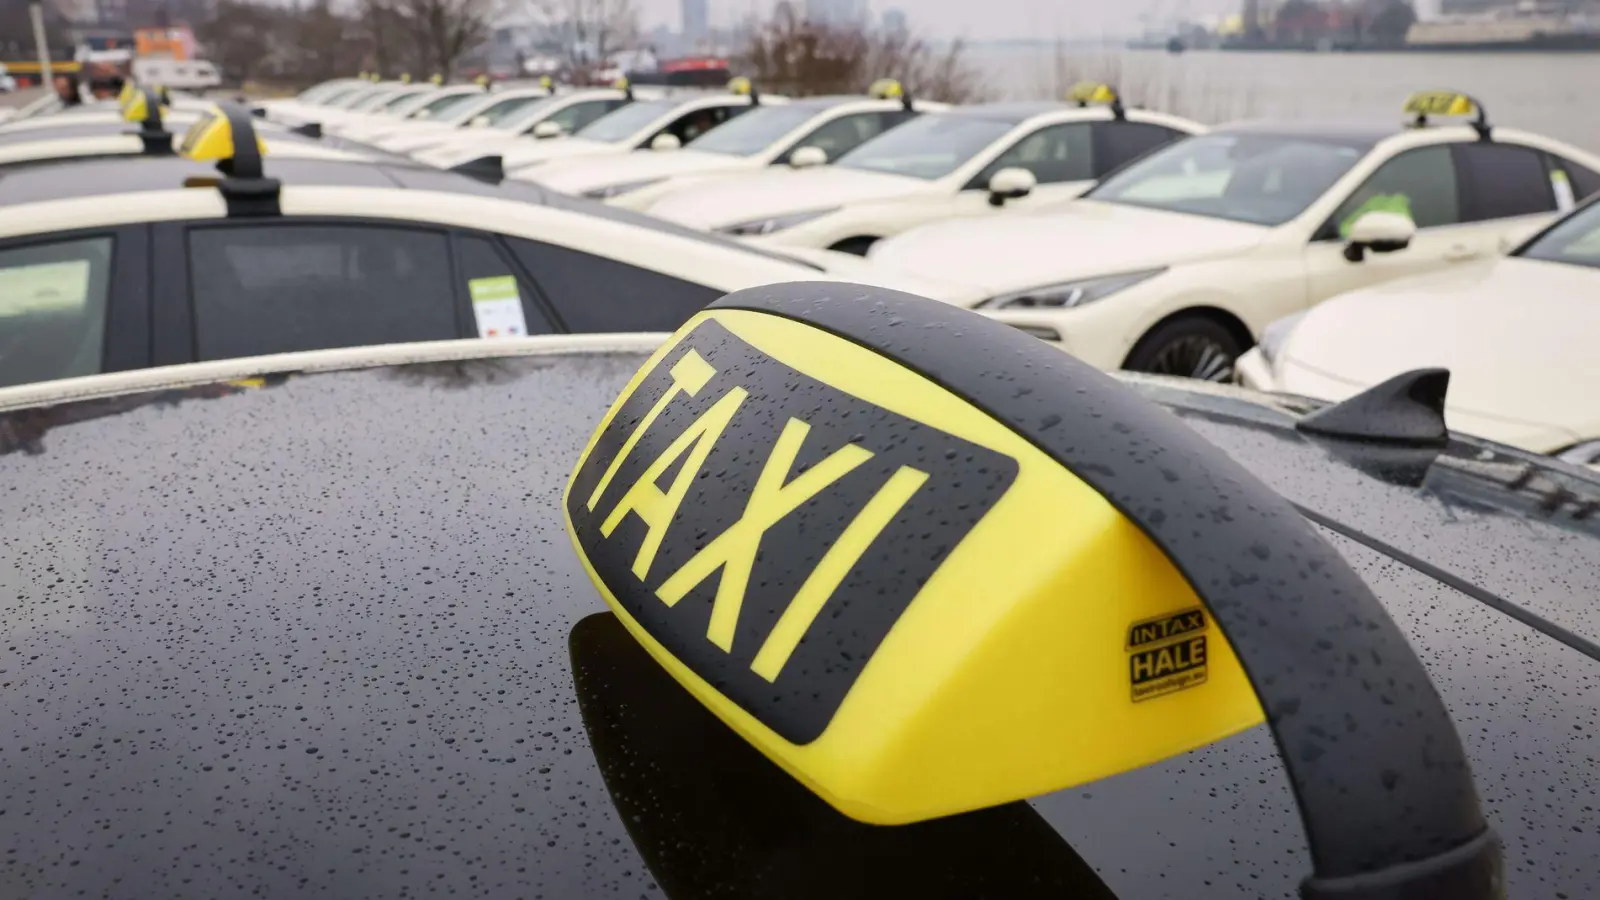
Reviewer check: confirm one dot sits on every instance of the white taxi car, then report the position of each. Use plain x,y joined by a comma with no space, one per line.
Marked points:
352,106
424,109
967,161
798,134
673,118
560,114
113,263
1516,333
480,112
1175,264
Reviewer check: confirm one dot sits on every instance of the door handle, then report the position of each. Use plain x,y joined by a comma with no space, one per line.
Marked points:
1461,253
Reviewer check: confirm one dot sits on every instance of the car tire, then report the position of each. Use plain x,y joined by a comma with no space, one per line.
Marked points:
856,245
1190,346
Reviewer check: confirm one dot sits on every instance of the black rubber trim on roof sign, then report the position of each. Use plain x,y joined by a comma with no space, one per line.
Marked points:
1382,782
246,189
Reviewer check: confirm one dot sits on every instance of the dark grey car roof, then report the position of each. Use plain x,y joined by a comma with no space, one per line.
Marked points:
327,637
106,176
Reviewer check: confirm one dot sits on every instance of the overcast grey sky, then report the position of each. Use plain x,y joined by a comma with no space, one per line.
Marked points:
982,19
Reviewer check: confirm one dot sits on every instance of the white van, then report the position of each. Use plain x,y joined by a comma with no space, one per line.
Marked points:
179,74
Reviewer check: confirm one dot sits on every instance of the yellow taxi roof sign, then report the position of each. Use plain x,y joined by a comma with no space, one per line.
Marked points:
436,79
741,85
1423,104
405,77
126,95
886,89
834,517
546,82
142,104
1085,93
211,137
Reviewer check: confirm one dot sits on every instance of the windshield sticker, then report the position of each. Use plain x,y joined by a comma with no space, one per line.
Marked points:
49,287
497,307
1563,188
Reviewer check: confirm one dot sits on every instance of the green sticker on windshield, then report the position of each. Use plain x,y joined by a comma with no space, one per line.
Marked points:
497,307
1395,203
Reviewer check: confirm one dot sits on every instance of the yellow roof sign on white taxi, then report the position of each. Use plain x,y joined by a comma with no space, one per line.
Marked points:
835,516
211,137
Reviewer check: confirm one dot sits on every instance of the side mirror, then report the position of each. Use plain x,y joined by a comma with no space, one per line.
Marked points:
479,122
546,130
1011,183
666,142
808,157
1380,232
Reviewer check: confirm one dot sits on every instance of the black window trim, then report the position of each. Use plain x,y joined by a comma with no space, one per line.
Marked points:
1100,136
173,334
127,338
1468,192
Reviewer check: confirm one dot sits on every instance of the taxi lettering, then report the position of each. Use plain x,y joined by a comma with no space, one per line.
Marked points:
757,521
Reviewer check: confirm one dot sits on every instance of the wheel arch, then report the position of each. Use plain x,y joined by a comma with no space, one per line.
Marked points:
1235,326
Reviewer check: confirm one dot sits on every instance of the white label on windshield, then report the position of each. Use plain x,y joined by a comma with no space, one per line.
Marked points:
50,287
1563,188
497,307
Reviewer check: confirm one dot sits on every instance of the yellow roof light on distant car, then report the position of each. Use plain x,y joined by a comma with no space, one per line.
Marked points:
126,95
211,138
1096,93
436,79
885,89
927,564
138,107
405,77
1423,104
740,85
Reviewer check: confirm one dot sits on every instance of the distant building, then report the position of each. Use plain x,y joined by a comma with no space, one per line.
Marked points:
894,21
696,20
837,12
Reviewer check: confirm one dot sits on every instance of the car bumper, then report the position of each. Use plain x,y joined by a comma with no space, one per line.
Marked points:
1252,371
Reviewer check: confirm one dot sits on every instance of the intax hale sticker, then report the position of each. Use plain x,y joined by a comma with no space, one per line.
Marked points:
497,308
1167,653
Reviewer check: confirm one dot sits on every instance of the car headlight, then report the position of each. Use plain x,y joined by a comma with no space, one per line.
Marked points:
1275,335
1586,453
617,190
1069,294
773,223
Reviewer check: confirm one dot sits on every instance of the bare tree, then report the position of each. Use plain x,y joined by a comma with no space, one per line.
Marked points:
239,39
792,55
588,31
444,30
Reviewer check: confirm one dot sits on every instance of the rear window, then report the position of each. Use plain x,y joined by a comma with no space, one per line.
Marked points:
53,309
283,288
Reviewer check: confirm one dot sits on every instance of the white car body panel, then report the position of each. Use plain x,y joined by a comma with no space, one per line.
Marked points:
530,151
132,145
1516,334
875,204
1254,282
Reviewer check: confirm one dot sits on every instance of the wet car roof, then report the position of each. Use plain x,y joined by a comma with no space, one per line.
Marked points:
249,650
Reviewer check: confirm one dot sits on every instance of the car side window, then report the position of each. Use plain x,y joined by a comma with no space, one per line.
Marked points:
285,287
842,134
1583,181
1502,180
1054,154
1122,142
496,294
1420,182
595,294
693,124
578,115
53,309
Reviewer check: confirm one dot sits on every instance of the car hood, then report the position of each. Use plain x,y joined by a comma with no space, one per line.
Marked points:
1080,240
640,165
1517,336
530,151
778,193
466,146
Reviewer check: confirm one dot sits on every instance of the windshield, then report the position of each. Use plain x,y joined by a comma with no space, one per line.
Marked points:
402,98
440,107
1574,241
1260,178
324,92
373,100
928,147
349,98
515,112
754,131
619,125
